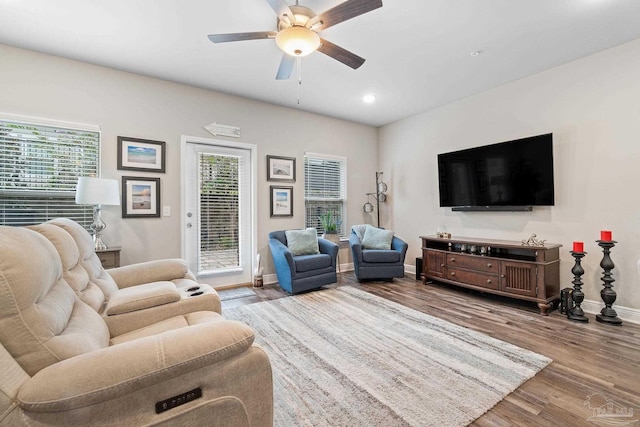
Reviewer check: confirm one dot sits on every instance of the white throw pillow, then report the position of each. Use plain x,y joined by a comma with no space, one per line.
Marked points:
302,242
376,238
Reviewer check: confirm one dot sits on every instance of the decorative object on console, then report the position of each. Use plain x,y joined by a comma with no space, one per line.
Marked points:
97,192
533,241
441,231
608,295
379,196
140,197
577,296
137,154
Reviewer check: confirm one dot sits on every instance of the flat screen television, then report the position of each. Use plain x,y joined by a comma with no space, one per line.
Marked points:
512,175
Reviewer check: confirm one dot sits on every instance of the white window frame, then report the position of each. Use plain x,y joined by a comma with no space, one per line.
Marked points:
308,199
39,200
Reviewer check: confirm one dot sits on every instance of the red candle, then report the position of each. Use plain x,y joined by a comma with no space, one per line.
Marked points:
578,246
605,235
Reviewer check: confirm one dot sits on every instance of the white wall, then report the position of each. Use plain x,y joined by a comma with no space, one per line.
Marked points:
126,104
592,106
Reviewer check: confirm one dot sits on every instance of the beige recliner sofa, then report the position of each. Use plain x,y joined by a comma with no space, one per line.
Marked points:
83,346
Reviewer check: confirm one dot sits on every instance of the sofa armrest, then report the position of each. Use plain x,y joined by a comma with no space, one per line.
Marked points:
280,252
356,246
399,245
328,247
134,365
150,271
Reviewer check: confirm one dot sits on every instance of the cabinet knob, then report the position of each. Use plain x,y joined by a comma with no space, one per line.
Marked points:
489,265
441,265
488,280
453,259
502,275
453,273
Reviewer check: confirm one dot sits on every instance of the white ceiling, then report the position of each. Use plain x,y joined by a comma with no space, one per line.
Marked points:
418,52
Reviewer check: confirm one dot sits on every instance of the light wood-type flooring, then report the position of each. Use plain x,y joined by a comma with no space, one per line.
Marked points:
593,364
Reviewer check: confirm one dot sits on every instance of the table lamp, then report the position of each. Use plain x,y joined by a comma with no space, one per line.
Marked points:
97,192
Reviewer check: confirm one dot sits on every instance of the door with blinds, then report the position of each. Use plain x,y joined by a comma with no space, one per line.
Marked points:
218,212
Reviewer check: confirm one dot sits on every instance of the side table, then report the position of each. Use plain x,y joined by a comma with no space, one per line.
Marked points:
335,238
110,257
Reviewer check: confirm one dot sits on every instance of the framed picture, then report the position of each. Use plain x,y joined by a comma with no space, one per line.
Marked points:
281,169
281,201
136,154
140,197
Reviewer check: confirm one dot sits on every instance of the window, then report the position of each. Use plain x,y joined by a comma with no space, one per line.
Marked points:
39,169
325,189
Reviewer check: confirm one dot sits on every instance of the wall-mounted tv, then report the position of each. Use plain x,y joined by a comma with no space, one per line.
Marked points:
512,175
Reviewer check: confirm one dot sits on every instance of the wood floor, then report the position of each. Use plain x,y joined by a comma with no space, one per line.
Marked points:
593,363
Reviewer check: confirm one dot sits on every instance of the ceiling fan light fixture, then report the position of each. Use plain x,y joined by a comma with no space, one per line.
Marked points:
298,41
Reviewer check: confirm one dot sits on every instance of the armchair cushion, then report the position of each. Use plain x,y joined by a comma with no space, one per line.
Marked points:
302,242
312,262
376,255
141,297
376,238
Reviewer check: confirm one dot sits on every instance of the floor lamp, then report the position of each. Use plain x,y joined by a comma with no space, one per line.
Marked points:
380,196
97,192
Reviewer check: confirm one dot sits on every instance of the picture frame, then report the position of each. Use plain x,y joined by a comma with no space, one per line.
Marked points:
281,201
140,197
281,169
144,155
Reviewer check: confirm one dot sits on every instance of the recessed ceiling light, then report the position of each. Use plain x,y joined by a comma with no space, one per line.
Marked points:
369,98
476,53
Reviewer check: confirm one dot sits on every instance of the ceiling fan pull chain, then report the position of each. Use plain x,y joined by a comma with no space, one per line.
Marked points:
299,68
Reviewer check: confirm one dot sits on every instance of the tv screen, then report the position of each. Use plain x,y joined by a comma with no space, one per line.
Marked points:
509,174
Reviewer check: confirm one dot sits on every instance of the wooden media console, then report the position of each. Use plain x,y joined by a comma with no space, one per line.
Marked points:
500,267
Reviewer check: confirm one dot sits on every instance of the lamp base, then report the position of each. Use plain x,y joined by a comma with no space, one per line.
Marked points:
98,244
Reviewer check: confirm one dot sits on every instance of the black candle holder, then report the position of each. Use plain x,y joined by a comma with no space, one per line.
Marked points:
576,313
608,295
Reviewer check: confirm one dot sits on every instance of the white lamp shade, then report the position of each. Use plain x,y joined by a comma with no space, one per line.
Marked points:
97,191
298,41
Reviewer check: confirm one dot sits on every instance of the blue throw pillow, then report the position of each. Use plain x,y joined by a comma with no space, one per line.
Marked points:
376,238
302,242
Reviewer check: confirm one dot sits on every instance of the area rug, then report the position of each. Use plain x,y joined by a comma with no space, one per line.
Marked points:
344,357
227,294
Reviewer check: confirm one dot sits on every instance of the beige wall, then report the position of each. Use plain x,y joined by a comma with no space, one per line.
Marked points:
121,103
592,106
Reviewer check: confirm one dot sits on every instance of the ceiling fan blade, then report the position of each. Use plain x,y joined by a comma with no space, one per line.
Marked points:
340,54
282,9
344,11
236,37
286,66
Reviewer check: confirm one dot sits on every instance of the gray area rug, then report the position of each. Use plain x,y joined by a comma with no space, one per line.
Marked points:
343,357
234,293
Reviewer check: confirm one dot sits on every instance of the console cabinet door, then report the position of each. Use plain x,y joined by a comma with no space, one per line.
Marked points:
518,278
435,263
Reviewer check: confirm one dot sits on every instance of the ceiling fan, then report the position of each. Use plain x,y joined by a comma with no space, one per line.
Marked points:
298,28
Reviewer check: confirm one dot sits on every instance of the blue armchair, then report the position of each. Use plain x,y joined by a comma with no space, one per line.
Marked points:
299,273
381,264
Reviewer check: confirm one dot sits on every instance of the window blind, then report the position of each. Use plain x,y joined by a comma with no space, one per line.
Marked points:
39,169
219,211
325,189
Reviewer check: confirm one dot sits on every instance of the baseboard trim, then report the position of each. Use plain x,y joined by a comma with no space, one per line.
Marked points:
627,314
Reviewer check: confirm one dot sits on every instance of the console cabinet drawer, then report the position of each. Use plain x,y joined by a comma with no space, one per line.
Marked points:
473,262
489,281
